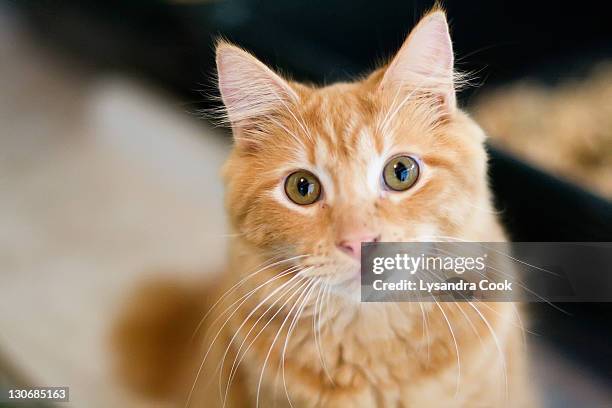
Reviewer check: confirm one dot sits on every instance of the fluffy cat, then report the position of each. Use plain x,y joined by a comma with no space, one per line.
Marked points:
307,182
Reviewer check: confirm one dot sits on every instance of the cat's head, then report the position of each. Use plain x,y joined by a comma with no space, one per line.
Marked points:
316,171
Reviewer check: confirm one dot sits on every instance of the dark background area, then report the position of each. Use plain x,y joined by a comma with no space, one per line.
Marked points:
172,45
323,41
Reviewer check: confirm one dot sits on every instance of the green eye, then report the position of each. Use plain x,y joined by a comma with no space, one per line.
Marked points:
302,187
400,173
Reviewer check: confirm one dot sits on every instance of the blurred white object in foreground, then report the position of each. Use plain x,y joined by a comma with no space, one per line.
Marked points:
101,184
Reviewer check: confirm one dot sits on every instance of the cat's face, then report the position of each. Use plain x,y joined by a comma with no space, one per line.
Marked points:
316,171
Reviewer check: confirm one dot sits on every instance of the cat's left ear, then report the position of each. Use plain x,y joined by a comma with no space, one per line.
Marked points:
424,63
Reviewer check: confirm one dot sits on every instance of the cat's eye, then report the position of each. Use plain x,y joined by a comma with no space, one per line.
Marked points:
400,173
302,187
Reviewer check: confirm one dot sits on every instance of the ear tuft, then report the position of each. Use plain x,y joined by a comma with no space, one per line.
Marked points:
425,61
249,89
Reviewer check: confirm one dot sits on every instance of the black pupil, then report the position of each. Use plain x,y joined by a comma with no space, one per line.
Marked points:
401,171
304,187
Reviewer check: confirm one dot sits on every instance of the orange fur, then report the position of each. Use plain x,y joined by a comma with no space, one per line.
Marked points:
293,333
157,318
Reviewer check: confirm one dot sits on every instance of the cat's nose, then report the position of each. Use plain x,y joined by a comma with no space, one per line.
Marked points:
352,245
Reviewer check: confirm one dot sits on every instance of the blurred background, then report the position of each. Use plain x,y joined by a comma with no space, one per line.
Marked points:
109,170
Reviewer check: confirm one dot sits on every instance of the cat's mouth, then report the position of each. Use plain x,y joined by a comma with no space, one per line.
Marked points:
334,273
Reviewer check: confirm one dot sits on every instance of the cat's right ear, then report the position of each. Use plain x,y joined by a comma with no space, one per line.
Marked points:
250,91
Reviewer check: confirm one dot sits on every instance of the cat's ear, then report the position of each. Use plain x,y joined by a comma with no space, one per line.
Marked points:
249,89
425,62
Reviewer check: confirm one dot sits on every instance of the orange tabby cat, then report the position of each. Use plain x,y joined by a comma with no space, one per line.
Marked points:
313,173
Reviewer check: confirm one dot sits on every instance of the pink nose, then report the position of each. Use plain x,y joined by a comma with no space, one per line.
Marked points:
352,245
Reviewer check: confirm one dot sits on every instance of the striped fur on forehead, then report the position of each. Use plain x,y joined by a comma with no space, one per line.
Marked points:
338,114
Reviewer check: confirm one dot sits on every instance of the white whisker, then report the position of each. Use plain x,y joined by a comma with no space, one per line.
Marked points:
309,288
239,283
238,359
450,327
498,345
292,326
246,297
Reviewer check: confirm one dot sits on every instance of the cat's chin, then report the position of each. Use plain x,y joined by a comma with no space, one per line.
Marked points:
351,295
349,287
